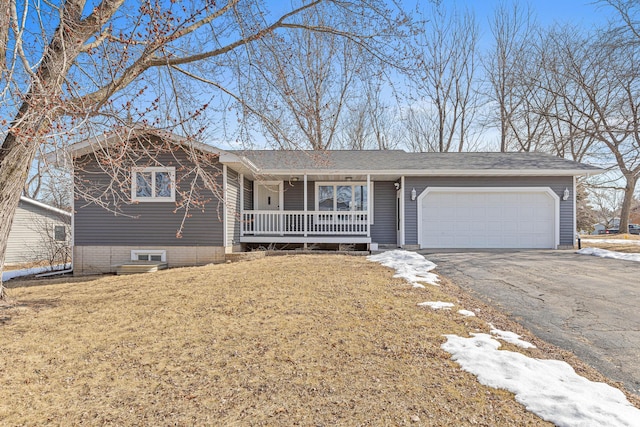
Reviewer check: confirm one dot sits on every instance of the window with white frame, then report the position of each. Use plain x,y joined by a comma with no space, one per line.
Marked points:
343,196
153,184
149,255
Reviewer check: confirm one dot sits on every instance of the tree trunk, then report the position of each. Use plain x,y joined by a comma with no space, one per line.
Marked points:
625,210
16,155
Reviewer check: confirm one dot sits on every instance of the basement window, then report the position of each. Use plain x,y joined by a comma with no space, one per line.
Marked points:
149,255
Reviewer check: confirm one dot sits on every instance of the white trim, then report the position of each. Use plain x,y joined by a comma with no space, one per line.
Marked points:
226,206
153,169
369,205
256,194
547,190
402,210
161,252
306,202
434,172
241,195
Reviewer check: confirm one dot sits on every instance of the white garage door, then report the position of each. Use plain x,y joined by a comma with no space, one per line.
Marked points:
487,218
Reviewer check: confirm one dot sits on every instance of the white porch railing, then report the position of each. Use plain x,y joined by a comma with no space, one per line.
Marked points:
303,223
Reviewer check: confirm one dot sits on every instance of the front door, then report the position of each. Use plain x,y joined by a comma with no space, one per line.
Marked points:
268,196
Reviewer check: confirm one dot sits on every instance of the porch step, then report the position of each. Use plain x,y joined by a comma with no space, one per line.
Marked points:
135,267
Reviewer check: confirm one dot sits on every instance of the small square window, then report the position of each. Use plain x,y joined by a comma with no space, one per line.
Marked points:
60,233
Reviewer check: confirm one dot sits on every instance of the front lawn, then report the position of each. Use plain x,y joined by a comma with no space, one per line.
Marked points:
291,340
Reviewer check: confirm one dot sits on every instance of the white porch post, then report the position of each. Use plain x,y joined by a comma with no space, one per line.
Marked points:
402,192
369,206
304,218
226,208
241,205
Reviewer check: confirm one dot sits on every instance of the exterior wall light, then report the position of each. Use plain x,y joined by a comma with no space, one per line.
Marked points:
565,195
413,194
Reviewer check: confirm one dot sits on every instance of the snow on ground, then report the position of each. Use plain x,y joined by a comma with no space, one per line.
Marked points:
603,253
510,337
615,241
28,272
410,266
437,305
466,313
549,388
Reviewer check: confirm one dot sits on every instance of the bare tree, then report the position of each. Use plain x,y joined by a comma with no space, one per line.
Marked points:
369,121
600,93
300,82
443,80
53,245
512,28
65,64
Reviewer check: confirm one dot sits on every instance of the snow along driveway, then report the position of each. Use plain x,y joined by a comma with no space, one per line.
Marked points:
549,388
584,304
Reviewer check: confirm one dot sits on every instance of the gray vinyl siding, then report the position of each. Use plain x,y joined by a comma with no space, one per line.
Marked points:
32,227
150,223
557,184
383,229
294,196
233,207
248,194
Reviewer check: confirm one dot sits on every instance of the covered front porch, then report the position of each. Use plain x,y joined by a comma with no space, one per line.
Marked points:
304,227
308,209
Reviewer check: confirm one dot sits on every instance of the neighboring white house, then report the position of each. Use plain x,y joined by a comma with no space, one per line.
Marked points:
39,233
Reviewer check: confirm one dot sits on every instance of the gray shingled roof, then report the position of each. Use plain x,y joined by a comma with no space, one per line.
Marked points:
398,160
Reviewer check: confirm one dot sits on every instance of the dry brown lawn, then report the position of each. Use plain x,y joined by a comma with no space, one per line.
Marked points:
631,247
292,340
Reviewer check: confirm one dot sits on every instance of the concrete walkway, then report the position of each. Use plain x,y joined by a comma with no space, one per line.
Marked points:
585,304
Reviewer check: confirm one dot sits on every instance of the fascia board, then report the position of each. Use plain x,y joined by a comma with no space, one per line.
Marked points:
437,172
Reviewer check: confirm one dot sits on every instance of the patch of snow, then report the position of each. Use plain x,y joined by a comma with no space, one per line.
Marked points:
466,313
549,388
603,253
7,275
510,337
615,241
437,305
410,266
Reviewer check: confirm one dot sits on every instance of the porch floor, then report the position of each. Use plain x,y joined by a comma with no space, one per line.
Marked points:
305,239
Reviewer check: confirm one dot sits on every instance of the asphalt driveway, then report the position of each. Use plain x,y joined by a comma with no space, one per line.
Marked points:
585,304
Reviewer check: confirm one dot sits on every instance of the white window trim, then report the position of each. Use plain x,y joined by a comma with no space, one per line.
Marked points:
346,183
153,169
161,252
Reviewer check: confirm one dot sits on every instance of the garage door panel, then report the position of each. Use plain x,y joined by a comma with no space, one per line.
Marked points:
491,219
